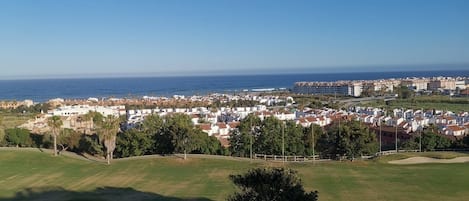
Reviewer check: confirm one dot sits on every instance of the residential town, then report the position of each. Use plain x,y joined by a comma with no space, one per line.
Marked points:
356,88
221,121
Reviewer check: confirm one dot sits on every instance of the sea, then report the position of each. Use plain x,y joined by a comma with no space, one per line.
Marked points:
41,90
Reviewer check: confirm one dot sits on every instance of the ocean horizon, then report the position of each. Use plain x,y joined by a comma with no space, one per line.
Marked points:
41,90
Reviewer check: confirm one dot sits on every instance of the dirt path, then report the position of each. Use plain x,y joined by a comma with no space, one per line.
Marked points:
419,160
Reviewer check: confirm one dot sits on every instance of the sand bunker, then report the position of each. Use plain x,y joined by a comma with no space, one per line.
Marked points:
418,160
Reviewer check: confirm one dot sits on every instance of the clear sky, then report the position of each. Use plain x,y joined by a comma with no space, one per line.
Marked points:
99,37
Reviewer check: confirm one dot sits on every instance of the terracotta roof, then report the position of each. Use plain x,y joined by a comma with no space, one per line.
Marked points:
402,124
448,118
221,125
455,128
234,124
311,119
302,120
205,127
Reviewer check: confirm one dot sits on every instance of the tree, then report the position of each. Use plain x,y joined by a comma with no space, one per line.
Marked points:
107,134
269,140
240,143
18,137
294,139
133,142
88,118
275,184
465,141
180,128
69,139
404,92
55,123
431,140
349,139
153,127
308,138
245,135
152,124
90,144
411,144
204,144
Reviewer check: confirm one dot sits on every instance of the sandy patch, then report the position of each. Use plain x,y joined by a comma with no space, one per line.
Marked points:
419,160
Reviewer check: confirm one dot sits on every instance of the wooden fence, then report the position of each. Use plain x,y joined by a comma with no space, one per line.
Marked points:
288,158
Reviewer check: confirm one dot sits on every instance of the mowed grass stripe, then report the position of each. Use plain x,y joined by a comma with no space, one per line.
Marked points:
208,178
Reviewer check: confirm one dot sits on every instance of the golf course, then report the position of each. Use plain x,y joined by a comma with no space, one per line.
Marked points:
32,174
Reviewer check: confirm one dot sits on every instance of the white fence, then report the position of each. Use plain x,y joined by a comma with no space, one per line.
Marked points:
288,158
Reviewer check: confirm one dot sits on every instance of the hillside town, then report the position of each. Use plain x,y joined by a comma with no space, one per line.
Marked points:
221,121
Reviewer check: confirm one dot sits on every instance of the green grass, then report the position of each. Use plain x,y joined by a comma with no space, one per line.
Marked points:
12,120
33,175
454,104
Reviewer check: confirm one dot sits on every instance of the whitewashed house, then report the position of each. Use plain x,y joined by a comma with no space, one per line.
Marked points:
454,130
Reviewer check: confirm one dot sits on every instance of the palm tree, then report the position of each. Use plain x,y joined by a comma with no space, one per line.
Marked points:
88,118
55,123
107,134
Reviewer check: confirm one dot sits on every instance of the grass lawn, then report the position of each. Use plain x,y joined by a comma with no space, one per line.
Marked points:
33,175
454,104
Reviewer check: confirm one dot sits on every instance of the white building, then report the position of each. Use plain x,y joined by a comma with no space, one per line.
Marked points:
77,110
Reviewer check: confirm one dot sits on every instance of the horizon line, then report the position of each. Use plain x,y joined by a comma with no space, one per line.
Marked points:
260,72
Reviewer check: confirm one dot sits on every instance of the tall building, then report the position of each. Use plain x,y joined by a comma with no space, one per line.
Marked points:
343,88
442,83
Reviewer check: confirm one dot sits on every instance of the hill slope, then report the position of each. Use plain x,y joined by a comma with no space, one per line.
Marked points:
32,175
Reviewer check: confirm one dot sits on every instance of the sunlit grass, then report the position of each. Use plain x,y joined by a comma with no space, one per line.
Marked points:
203,178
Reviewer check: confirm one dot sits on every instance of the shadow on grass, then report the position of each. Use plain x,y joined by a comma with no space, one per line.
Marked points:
99,194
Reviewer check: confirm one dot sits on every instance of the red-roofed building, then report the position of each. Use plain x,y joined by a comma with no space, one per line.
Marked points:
206,128
223,128
466,126
233,124
454,130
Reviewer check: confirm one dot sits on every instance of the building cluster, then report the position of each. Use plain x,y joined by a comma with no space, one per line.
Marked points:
174,101
219,122
73,117
356,88
15,104
413,121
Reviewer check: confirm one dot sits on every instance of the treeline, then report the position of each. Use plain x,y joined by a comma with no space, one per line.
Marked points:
176,134
274,137
430,140
156,135
167,135
35,109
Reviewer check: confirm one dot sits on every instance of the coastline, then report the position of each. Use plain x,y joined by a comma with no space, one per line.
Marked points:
41,90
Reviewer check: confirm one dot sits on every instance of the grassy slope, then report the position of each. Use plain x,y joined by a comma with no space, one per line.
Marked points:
455,104
12,120
175,179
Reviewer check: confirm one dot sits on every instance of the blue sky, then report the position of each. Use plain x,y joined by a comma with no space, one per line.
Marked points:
89,38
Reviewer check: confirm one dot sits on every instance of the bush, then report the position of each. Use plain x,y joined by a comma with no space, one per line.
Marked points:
275,184
18,137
